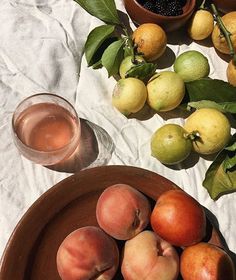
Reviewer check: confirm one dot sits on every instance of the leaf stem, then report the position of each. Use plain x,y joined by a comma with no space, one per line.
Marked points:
225,32
129,42
202,6
192,136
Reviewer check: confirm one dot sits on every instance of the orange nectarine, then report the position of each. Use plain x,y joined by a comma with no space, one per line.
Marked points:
179,218
204,261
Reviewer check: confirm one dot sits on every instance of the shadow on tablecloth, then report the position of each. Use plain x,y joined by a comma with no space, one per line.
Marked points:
95,149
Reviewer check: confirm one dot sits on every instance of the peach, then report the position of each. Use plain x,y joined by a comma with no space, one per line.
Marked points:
147,256
204,261
87,253
179,218
122,211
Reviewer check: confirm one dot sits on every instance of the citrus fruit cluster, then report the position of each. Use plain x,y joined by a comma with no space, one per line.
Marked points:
202,26
163,91
206,131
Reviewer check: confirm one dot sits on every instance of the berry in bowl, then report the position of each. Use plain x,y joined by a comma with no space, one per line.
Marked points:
169,14
164,7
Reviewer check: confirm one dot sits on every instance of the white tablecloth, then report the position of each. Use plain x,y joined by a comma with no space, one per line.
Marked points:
41,50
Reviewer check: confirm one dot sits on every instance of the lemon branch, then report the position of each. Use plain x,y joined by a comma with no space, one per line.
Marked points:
202,6
129,42
225,32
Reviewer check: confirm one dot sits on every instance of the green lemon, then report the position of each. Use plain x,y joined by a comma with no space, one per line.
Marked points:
170,144
127,63
192,65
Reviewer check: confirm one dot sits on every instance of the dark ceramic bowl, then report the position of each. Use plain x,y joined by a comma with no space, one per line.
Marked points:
31,251
225,6
140,15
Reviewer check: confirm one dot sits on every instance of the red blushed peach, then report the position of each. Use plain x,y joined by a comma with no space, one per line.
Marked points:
204,261
179,218
87,253
122,211
147,256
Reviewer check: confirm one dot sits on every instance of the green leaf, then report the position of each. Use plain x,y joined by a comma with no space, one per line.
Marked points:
230,160
104,10
220,177
112,57
224,107
95,39
97,65
229,163
142,71
232,144
218,182
128,51
210,89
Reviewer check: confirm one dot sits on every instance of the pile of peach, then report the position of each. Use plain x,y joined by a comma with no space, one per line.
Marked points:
158,244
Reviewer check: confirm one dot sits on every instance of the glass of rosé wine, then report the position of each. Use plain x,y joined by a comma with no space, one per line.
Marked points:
46,128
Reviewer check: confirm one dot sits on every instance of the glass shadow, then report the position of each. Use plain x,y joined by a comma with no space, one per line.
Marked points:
95,149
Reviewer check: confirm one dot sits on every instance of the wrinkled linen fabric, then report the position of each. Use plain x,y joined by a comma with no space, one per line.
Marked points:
41,50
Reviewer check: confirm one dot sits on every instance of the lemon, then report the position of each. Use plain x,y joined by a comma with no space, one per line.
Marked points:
201,25
165,91
218,39
231,73
129,95
212,129
170,144
192,65
127,63
150,40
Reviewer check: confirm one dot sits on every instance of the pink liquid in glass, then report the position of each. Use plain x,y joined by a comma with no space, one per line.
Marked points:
46,127
49,132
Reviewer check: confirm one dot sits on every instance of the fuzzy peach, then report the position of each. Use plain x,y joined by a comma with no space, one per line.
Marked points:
87,253
122,211
147,256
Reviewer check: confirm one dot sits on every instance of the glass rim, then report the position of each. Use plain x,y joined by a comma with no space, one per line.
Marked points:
17,138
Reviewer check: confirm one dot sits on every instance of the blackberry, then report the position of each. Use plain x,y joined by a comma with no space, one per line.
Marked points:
164,7
149,5
160,6
173,8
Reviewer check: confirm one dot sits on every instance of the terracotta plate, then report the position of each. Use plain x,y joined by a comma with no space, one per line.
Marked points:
31,250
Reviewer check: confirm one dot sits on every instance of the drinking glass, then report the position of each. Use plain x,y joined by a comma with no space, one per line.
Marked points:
46,128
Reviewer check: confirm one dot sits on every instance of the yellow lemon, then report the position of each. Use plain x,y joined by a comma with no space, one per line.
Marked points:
218,39
165,90
231,73
212,130
150,40
129,95
201,25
